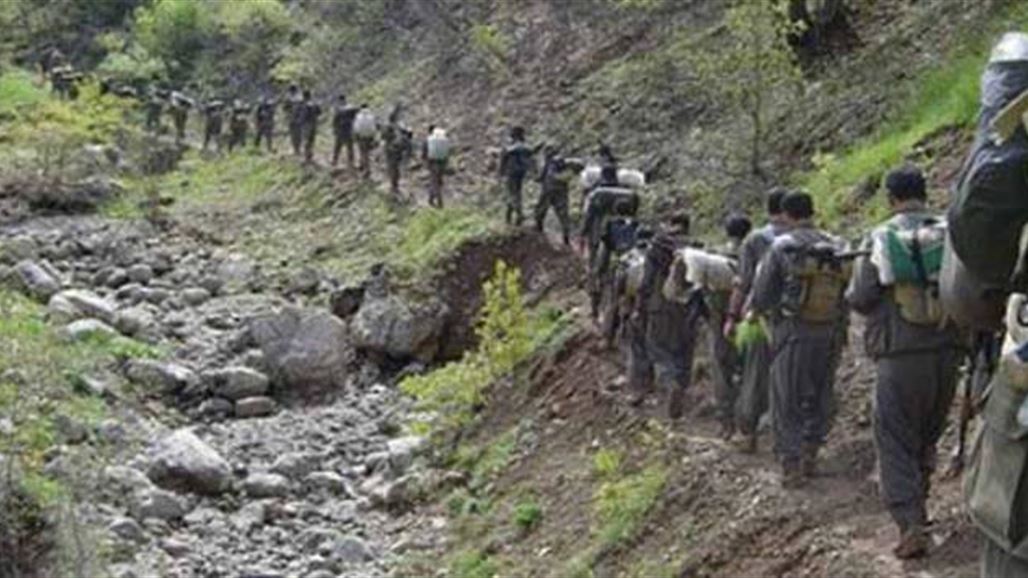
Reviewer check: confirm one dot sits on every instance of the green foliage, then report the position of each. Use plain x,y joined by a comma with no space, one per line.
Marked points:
175,31
527,515
943,97
750,332
621,506
488,461
506,337
491,45
755,63
432,233
19,91
607,463
133,65
473,564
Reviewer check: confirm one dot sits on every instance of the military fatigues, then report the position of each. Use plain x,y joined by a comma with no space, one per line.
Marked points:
238,127
801,380
296,111
664,331
154,106
179,109
554,192
264,121
436,174
753,393
311,117
515,163
212,124
917,376
342,129
726,359
397,142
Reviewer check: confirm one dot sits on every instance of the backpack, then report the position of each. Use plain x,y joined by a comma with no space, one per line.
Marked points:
621,234
632,266
438,145
816,282
365,125
909,258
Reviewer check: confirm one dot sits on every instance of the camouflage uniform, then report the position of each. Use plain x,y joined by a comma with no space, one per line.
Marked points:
342,128
397,142
515,163
213,120
238,126
179,110
311,117
554,187
264,120
295,110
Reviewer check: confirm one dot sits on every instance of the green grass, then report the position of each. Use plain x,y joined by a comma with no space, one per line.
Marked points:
473,564
485,462
18,90
944,97
527,514
621,506
607,463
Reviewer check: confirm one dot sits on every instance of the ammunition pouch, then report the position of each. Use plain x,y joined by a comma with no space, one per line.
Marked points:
821,287
918,304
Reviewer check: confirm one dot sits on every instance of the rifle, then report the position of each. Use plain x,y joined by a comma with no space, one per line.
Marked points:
980,368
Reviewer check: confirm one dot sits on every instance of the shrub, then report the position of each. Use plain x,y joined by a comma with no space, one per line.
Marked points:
527,515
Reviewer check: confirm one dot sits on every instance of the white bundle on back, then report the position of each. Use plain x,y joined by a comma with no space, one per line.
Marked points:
708,270
631,178
438,145
590,176
365,124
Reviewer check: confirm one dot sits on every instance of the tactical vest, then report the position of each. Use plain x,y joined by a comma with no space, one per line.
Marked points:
815,287
908,252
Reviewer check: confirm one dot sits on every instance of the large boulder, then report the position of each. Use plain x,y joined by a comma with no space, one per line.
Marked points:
85,329
89,304
399,330
305,350
183,462
236,383
37,280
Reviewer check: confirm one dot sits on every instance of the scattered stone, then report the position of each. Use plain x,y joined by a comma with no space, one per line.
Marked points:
90,304
124,480
112,431
306,350
157,503
216,407
346,301
117,278
402,451
236,383
295,465
351,550
175,548
250,516
140,273
70,430
195,296
260,485
127,529
86,329
182,462
235,273
16,249
36,281
255,407
392,327
304,282
60,311
165,377
134,322
156,295
330,482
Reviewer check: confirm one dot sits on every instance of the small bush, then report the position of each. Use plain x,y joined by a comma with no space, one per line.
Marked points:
527,515
607,463
473,564
621,506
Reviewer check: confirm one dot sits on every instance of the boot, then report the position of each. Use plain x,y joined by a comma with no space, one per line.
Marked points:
913,543
747,444
675,403
808,464
792,476
727,430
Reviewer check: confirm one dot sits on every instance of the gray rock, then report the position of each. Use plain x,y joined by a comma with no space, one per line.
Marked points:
36,280
16,249
235,273
351,550
60,311
261,485
321,574
156,295
90,304
134,322
117,278
122,571
330,482
295,465
388,494
157,503
402,451
194,296
216,407
165,377
307,351
71,431
305,282
182,462
249,517
123,480
86,329
175,548
236,383
127,529
346,301
258,406
112,431
314,540
133,293
140,273
392,327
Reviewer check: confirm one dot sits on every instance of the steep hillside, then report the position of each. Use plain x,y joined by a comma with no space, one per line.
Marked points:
360,387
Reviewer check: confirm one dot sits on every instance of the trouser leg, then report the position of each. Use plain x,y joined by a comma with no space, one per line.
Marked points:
515,216
296,136
542,206
640,367
998,563
912,400
754,391
726,390
337,147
